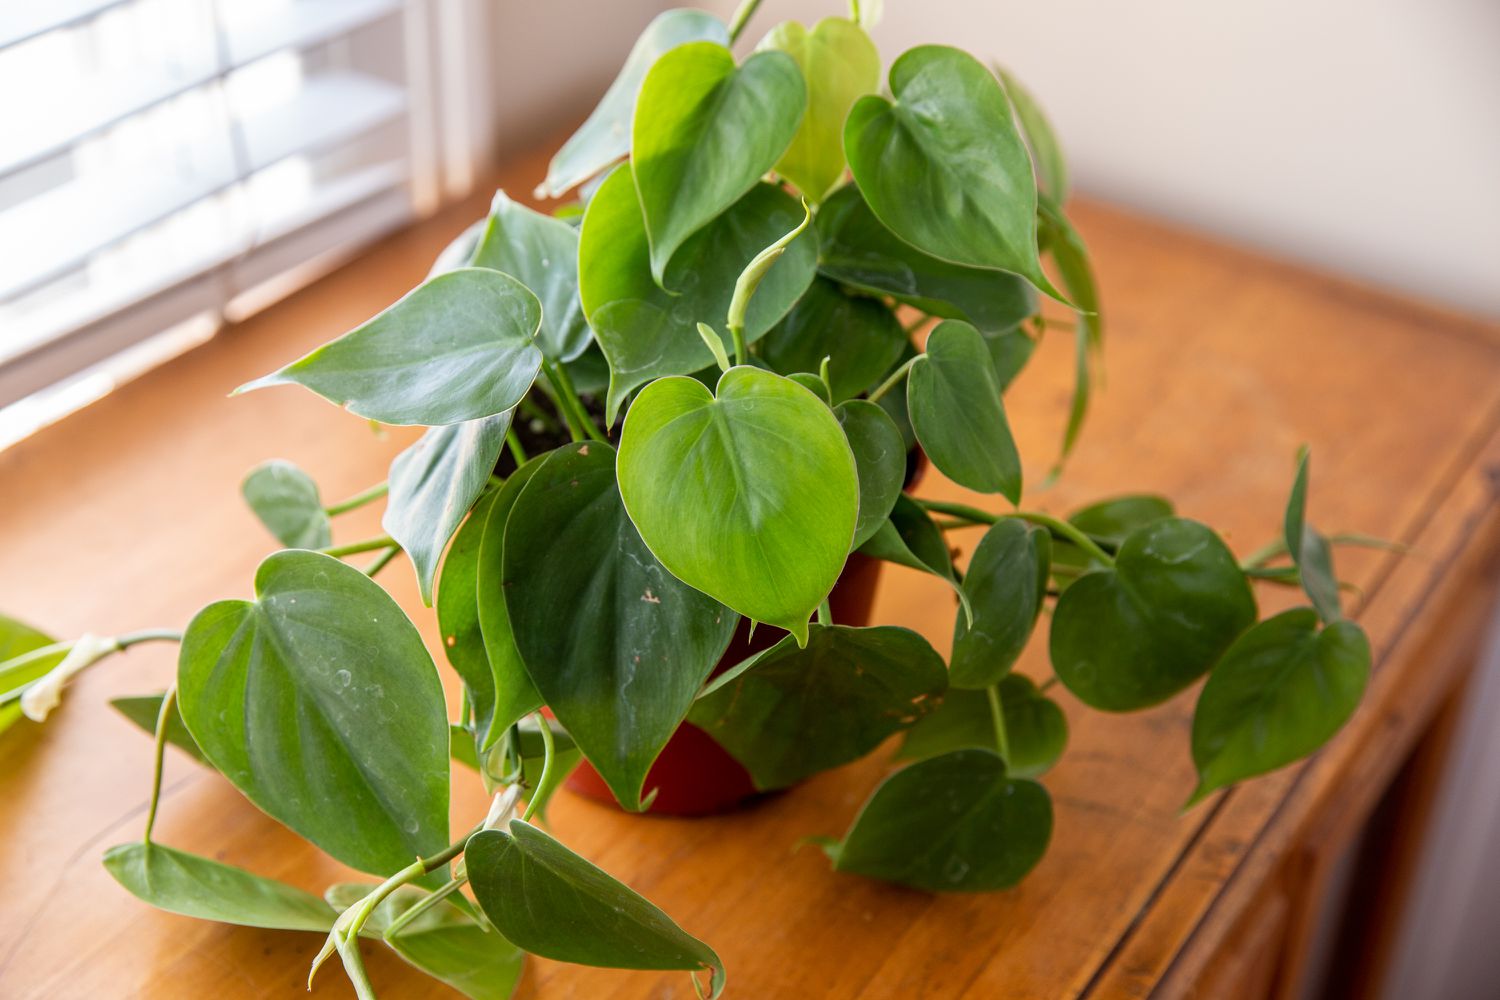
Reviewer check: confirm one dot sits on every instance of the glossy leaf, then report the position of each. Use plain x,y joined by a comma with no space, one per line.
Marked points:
1280,692
553,903
646,332
856,249
605,136
144,710
1007,585
458,618
879,462
543,253
909,538
1036,729
434,483
859,335
1310,551
839,64
199,887
1133,636
319,702
1046,151
954,397
954,823
286,501
793,711
703,134
460,252
1110,521
457,347
750,497
615,644
943,166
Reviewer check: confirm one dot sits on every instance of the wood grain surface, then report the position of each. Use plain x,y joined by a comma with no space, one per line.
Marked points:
1219,364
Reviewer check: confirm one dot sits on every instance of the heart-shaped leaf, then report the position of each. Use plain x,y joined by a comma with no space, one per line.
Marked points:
860,336
954,823
792,712
646,332
909,538
1134,635
1007,584
553,903
703,134
457,347
879,462
839,64
194,886
954,397
543,253
943,165
605,136
750,497
1310,551
856,249
1046,151
433,485
1280,692
144,710
616,645
1036,729
319,702
1106,522
286,501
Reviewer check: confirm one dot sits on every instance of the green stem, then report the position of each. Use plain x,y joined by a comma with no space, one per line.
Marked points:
517,452
572,407
124,642
825,613
741,353
424,904
547,758
854,11
355,548
531,411
358,500
742,15
168,701
1264,554
1065,530
382,561
960,510
997,715
894,380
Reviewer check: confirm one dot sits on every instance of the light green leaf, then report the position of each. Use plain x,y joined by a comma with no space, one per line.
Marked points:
286,501
555,904
319,702
16,637
193,886
144,710
1280,692
646,332
1133,636
703,134
943,165
461,251
909,538
750,497
879,462
434,483
954,823
954,397
543,253
1007,586
839,64
1036,729
856,249
793,712
24,657
614,643
605,136
458,347
860,336
1046,151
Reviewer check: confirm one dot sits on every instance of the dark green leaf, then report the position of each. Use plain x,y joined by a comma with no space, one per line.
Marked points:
1280,692
861,338
616,645
319,702
1110,521
1046,151
909,538
1310,551
855,248
1133,636
1010,350
646,332
144,710
704,133
1073,266
185,883
458,615
1036,729
879,462
433,485
605,137
458,347
543,253
286,501
954,823
943,165
750,497
794,712
954,397
555,904
1006,583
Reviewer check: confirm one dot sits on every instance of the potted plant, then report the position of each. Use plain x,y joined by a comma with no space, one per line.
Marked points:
664,422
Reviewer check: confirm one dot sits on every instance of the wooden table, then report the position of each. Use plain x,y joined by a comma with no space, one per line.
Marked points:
1220,364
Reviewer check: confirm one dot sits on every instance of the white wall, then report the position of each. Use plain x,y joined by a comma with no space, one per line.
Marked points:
1362,136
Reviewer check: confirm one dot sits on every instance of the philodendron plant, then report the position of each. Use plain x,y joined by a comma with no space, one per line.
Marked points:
679,402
